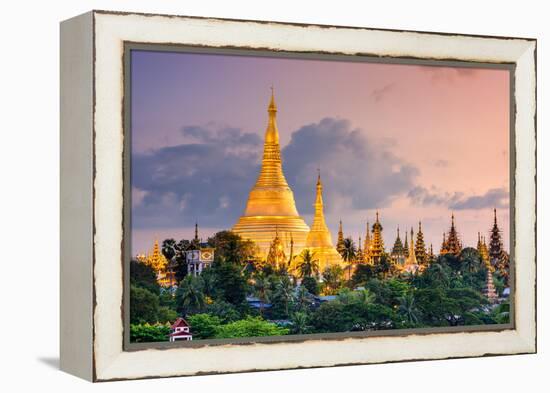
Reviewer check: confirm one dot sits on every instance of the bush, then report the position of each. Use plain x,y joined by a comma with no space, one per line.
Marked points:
204,325
250,327
145,333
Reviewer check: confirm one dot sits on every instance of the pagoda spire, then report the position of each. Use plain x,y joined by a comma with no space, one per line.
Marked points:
397,252
319,239
340,246
420,249
367,244
377,244
411,264
453,245
406,245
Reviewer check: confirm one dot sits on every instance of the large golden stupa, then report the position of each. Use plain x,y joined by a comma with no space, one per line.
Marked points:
319,240
271,209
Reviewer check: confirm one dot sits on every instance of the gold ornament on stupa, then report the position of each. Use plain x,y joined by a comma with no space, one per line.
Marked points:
271,209
319,240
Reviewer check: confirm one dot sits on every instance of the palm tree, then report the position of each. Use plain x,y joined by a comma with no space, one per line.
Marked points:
300,323
262,287
332,277
308,265
349,254
302,298
190,293
408,309
283,292
364,296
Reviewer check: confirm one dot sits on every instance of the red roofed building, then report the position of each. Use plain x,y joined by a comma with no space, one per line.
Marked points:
180,331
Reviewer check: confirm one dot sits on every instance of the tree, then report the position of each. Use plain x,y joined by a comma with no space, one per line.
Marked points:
250,327
146,333
231,284
300,323
362,274
231,248
408,309
470,260
308,265
144,305
303,300
349,253
143,276
262,289
204,325
282,297
226,312
311,284
190,295
332,278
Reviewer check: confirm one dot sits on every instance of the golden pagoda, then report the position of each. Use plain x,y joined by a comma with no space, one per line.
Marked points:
411,264
319,240
271,208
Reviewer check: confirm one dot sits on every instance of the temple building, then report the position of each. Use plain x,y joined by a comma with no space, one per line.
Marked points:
340,246
420,247
411,264
451,244
158,262
319,240
367,246
489,289
377,242
271,209
398,252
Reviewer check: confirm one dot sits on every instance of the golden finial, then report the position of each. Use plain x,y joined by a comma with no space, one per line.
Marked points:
272,106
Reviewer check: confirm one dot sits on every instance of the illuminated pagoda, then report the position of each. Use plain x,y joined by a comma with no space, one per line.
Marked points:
340,245
398,251
359,256
319,240
483,251
411,264
377,242
158,262
406,246
420,247
367,245
271,206
443,249
452,244
276,256
489,290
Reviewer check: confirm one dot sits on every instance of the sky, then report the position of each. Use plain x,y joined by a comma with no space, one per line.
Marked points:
416,143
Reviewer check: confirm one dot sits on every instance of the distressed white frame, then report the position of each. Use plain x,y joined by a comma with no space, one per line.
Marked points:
111,30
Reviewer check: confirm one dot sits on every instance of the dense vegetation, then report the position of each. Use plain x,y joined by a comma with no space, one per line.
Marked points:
447,293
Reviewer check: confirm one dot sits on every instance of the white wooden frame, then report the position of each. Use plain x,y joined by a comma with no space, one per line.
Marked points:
92,195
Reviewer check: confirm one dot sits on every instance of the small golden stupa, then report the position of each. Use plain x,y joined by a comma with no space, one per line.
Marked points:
271,209
319,240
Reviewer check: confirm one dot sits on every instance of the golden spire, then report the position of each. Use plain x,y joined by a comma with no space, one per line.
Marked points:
319,239
271,201
319,223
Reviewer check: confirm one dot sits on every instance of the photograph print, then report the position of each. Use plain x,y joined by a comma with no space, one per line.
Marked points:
273,195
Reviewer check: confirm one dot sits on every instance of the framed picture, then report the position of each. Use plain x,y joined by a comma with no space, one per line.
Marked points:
246,195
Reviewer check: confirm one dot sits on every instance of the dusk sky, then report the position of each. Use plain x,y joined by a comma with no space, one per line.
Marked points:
413,142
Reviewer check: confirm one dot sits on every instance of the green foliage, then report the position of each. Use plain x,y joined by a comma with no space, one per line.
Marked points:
332,279
204,325
166,314
311,284
231,248
231,285
190,295
308,264
146,333
250,327
144,305
362,274
281,298
142,275
226,312
300,323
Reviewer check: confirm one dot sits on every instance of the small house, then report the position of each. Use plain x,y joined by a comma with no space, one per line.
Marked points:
180,330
